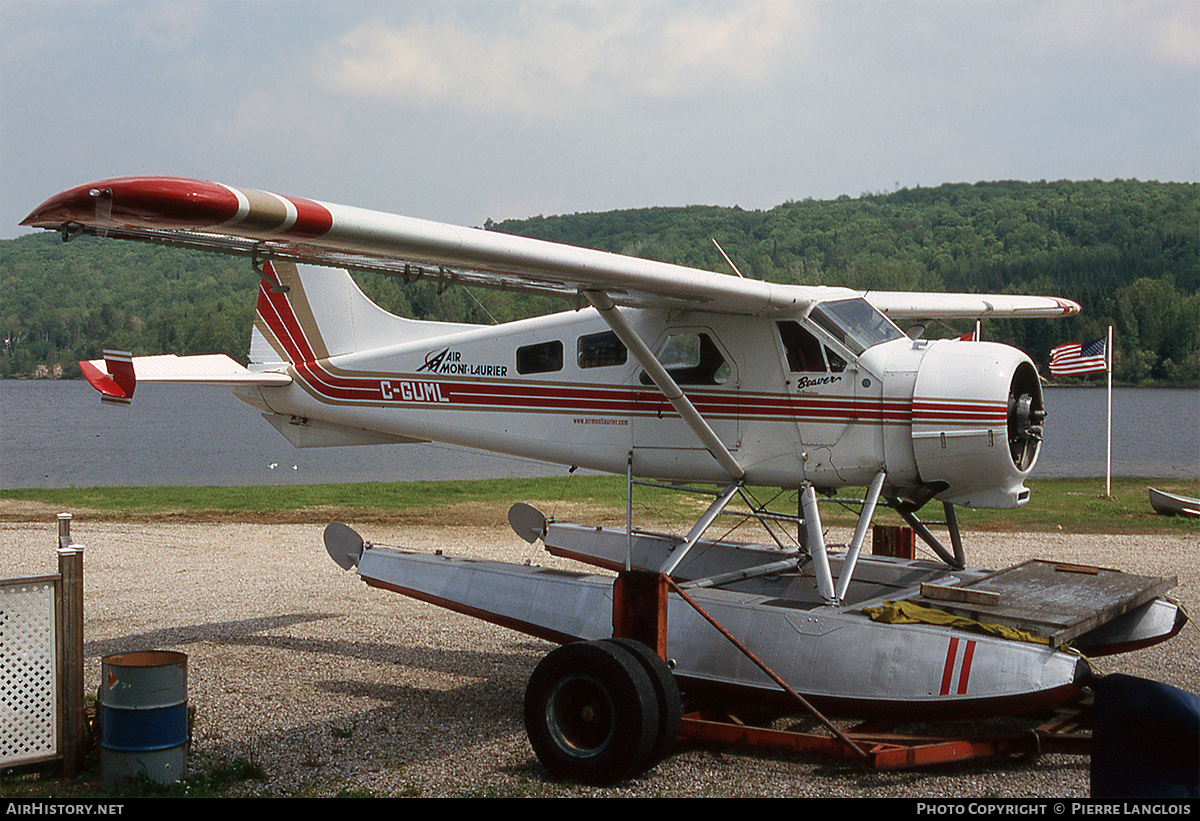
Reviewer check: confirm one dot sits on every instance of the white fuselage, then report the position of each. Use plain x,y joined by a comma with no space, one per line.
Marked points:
788,399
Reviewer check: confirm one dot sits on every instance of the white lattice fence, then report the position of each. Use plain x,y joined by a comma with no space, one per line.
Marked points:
28,670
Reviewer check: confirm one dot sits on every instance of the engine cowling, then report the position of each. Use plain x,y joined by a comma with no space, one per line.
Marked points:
977,422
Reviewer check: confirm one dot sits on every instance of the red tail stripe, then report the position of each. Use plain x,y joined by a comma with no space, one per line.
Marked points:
276,311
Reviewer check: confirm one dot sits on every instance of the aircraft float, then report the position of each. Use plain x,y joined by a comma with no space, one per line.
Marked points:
680,378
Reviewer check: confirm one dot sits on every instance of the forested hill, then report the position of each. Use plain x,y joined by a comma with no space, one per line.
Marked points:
1128,251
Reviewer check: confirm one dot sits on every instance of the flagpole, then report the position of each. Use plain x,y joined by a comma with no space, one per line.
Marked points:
1108,362
1076,359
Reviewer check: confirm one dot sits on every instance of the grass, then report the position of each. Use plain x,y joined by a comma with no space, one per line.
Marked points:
1080,506
1073,505
370,499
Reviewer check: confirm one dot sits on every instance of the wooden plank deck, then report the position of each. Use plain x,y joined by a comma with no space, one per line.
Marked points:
1054,600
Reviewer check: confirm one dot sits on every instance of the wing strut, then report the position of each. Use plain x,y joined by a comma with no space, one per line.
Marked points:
683,406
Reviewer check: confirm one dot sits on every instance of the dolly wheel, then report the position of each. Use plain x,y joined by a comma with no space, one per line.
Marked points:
666,691
591,713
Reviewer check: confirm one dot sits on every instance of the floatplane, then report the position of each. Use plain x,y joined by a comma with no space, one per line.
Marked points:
672,377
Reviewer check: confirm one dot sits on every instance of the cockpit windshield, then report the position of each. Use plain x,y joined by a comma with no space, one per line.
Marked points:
856,323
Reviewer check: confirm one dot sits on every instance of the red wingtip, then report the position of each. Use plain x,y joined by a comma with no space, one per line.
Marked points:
177,203
139,202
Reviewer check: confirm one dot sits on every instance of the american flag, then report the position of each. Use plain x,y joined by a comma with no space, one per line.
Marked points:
1074,358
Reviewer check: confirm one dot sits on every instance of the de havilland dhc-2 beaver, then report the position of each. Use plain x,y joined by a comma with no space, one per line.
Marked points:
680,378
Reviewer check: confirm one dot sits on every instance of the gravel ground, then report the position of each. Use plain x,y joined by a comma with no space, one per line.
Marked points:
331,686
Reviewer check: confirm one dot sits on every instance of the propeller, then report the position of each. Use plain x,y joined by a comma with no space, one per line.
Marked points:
1026,416
1025,427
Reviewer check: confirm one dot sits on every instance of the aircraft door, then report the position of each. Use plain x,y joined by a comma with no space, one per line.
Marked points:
707,375
820,391
835,404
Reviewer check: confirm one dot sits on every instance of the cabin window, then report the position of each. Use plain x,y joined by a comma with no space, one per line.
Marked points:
601,350
804,353
855,323
542,358
692,359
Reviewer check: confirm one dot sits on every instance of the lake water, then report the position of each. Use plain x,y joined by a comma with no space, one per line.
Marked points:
59,434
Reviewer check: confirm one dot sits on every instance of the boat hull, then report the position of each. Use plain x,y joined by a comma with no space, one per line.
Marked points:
1173,505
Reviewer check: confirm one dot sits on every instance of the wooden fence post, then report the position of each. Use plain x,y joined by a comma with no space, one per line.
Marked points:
70,569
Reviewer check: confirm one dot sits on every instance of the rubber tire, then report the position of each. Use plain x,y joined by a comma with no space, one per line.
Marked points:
666,690
591,713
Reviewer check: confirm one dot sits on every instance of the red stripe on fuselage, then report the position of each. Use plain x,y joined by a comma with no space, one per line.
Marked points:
961,411
301,345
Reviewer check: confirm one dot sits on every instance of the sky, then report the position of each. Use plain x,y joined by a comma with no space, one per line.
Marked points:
465,111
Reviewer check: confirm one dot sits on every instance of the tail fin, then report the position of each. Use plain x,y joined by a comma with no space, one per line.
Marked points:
308,314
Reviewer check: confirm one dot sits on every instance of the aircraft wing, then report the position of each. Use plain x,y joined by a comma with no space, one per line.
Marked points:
212,216
916,305
217,217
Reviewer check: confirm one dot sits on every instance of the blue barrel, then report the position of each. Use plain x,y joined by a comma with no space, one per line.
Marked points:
143,717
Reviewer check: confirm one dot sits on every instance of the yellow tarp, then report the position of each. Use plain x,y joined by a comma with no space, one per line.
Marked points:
907,612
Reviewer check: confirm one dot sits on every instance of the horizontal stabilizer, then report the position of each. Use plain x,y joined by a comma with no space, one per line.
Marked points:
118,373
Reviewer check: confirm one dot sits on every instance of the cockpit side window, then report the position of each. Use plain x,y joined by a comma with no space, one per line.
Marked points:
802,348
855,323
804,353
836,363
